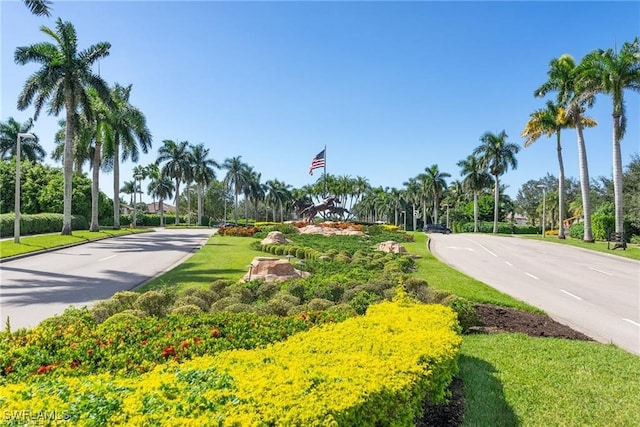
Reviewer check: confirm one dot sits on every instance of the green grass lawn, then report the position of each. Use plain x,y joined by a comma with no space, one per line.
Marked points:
222,257
48,241
632,251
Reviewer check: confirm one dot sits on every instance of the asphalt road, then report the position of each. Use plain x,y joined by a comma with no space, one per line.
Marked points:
40,286
594,293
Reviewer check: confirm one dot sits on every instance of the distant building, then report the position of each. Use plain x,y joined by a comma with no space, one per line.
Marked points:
154,208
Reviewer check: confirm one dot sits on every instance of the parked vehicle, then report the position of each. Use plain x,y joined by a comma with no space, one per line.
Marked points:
436,228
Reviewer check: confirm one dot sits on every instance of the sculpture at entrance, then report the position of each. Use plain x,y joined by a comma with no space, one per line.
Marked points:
308,211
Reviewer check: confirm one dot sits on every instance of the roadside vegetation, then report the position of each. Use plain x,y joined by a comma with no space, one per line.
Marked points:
199,309
632,251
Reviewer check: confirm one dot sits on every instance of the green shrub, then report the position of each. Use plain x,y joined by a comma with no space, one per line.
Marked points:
186,309
122,319
207,295
220,286
126,299
266,291
39,223
154,303
191,300
577,230
362,300
102,310
466,312
319,304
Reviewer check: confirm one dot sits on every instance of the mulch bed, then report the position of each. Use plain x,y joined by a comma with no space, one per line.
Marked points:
495,320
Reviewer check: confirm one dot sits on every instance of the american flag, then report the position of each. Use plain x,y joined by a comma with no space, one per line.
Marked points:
317,162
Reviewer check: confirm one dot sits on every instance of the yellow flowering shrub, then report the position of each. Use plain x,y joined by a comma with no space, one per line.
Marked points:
369,370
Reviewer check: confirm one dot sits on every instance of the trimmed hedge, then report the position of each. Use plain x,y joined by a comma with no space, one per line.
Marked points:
39,223
503,228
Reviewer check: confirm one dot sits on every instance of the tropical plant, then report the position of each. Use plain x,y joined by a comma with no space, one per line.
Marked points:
612,72
161,187
130,133
178,165
235,178
202,172
563,78
497,155
30,148
39,7
278,194
475,179
63,80
549,121
436,185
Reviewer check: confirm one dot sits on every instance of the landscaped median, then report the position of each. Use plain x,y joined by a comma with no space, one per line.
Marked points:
371,370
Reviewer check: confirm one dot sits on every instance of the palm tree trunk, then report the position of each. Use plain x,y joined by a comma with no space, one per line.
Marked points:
235,209
199,188
95,187
496,200
177,201
161,206
618,200
561,213
584,181
116,186
435,208
68,166
475,211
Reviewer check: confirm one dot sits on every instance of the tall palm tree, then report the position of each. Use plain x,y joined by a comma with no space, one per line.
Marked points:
475,178
413,194
235,178
257,192
202,171
610,72
128,187
550,121
39,7
436,184
278,194
63,80
497,155
178,165
129,131
82,139
563,78
161,187
30,148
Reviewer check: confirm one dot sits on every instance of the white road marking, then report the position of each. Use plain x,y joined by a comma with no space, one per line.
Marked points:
600,271
571,295
482,247
531,275
508,263
109,257
632,322
457,247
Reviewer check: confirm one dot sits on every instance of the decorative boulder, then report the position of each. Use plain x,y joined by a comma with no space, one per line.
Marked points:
275,237
391,246
272,270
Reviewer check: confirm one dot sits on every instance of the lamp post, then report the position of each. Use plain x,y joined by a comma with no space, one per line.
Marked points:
136,177
16,221
544,204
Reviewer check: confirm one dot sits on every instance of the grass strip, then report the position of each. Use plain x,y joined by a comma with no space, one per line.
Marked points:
632,251
9,248
441,276
515,380
222,257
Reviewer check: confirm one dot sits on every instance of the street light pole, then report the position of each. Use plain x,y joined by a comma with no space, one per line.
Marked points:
544,204
16,221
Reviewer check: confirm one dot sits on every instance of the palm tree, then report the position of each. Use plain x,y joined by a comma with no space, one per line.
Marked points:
177,166
129,131
277,195
549,121
475,179
82,140
30,148
235,178
413,195
437,184
563,76
63,79
497,155
202,171
161,187
39,7
257,191
129,187
610,72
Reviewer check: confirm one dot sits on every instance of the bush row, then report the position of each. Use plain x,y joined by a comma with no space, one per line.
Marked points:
39,223
314,378
503,228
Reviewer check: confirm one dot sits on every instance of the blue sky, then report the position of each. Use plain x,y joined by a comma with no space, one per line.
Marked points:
389,87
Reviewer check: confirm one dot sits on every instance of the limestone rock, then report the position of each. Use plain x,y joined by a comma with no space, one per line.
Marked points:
272,270
275,237
391,246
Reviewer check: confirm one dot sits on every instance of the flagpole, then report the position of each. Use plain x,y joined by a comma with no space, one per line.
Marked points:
325,171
